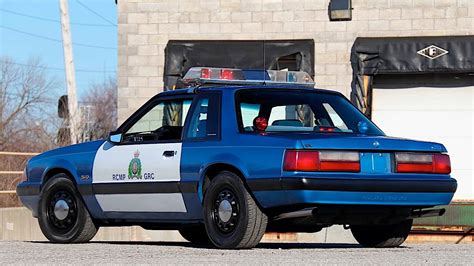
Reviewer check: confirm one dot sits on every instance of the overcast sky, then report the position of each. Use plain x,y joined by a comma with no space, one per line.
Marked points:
30,28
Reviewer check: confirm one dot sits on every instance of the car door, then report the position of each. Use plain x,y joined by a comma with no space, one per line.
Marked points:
141,173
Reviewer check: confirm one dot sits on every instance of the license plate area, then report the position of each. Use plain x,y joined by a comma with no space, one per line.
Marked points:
375,162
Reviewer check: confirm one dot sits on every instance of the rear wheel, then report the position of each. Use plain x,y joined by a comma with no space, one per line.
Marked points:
62,216
382,236
195,234
232,218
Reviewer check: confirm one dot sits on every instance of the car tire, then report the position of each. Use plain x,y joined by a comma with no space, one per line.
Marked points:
231,217
62,215
195,234
382,236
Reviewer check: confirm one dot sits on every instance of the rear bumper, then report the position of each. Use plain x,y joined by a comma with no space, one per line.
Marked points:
301,190
29,196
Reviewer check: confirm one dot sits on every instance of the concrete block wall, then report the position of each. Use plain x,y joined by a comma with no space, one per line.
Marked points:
145,26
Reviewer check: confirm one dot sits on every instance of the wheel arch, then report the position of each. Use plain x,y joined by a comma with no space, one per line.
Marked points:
212,170
51,172
60,166
57,170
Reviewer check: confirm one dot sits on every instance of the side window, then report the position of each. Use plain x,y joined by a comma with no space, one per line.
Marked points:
204,122
162,122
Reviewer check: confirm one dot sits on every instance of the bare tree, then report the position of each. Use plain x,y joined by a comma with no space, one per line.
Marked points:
26,101
27,117
99,111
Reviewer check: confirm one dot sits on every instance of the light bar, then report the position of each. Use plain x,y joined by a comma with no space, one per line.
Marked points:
231,76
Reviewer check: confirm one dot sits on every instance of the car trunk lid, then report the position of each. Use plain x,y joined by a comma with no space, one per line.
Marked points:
361,143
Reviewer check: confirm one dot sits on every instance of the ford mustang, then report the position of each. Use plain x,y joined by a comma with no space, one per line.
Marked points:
236,154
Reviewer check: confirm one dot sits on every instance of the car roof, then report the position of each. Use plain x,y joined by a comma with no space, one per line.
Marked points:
192,90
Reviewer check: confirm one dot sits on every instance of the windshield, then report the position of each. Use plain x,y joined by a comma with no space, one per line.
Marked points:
301,111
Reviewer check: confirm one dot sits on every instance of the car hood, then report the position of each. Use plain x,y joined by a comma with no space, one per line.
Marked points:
334,141
85,147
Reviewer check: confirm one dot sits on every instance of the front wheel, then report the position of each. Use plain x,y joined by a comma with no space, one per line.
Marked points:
382,236
62,216
232,218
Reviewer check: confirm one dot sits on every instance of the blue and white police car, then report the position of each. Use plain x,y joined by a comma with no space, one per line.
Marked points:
236,154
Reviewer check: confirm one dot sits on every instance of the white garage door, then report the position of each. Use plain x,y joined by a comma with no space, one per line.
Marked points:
432,108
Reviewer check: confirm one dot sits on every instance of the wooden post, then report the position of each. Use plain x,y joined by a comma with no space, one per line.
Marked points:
70,72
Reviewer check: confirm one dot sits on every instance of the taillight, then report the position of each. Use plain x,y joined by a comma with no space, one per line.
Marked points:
335,161
321,161
422,163
441,164
301,161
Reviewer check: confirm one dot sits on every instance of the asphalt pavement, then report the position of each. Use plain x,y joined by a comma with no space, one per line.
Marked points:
16,252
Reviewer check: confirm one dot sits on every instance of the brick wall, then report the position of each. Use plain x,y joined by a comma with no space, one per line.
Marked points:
145,26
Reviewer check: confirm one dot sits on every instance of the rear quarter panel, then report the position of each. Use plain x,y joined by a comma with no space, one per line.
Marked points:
256,156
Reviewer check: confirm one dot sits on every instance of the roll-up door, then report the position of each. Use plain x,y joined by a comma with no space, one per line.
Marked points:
434,107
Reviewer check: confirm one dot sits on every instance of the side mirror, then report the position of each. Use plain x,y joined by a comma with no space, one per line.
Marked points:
115,137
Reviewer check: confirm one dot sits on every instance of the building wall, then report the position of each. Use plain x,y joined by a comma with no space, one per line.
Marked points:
145,26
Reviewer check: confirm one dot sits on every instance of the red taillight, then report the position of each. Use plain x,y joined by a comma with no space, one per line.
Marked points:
442,164
321,161
227,74
414,168
340,166
301,161
206,73
422,163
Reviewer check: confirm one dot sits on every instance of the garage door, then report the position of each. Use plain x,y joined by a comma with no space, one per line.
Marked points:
433,108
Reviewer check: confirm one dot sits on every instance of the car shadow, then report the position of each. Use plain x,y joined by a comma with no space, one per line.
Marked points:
259,246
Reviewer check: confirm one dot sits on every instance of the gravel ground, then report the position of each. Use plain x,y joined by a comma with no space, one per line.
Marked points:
13,252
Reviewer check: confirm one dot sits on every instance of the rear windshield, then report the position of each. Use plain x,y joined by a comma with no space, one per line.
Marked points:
301,111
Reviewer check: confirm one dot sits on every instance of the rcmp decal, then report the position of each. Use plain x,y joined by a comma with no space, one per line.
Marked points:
135,167
134,170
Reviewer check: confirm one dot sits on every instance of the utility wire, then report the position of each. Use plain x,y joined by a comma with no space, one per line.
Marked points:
95,13
53,20
58,68
56,40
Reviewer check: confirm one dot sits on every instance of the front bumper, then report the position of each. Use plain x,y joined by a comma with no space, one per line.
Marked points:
29,195
358,191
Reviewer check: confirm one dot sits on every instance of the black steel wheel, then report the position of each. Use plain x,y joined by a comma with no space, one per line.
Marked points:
232,218
62,215
62,210
225,212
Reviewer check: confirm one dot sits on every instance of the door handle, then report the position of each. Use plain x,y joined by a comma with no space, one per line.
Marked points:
169,153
